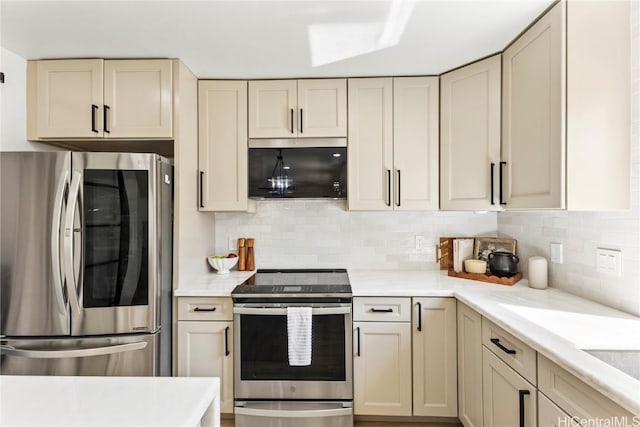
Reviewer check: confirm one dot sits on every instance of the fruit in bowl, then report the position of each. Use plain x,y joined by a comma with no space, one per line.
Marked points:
222,263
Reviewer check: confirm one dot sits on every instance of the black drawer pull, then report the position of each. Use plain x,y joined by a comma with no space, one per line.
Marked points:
105,119
496,341
94,110
382,310
226,341
521,395
419,317
358,350
204,309
500,193
201,189
492,167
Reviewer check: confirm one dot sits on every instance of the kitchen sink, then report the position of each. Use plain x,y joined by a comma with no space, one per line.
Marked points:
628,361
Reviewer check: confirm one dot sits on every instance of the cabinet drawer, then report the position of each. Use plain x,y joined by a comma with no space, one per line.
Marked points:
510,349
574,396
376,309
205,308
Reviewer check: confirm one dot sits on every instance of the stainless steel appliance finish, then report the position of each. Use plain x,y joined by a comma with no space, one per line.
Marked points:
293,414
267,390
86,252
627,361
298,168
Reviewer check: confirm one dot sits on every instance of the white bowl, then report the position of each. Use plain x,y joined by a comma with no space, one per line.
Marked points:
476,266
222,265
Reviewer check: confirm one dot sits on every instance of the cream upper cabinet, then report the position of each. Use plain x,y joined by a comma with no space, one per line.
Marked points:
95,98
393,143
566,108
64,98
415,143
434,357
298,108
470,136
506,397
382,368
469,324
138,97
222,145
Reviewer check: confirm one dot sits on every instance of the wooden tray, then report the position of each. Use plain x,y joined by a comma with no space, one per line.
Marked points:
508,281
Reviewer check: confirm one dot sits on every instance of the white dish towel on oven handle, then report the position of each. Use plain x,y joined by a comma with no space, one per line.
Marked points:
299,321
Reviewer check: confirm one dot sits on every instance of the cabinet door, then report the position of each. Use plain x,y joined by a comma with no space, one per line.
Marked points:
506,396
138,98
434,357
222,145
65,98
415,143
272,109
322,108
550,414
533,131
205,349
469,366
370,144
382,368
470,136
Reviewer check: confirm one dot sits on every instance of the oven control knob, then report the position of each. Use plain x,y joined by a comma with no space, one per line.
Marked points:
293,389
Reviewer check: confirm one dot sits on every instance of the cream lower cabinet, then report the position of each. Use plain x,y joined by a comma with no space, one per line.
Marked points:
96,98
469,366
550,414
508,399
470,136
382,357
434,357
222,145
205,344
393,143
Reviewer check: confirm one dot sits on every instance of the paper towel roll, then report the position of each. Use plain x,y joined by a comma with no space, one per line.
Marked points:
538,272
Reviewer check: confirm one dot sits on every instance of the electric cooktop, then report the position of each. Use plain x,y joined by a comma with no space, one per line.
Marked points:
295,283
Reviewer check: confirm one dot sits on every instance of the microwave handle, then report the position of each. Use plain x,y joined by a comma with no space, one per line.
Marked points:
283,311
69,232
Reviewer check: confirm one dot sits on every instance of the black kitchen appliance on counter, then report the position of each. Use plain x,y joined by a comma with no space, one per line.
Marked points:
267,389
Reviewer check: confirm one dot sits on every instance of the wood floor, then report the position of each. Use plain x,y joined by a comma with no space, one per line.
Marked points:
229,423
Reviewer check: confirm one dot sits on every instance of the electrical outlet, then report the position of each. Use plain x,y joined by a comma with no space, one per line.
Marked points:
233,244
609,262
420,244
556,253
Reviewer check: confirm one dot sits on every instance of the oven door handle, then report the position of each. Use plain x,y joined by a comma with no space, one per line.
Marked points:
271,311
278,413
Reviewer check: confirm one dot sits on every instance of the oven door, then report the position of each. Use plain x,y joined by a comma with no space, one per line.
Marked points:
261,365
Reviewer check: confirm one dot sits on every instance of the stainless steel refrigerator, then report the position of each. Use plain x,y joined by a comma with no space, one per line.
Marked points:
85,263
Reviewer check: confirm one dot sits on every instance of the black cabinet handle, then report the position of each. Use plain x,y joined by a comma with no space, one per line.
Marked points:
521,395
292,120
388,187
501,165
94,110
105,117
201,190
382,310
496,341
398,202
358,346
204,309
493,165
301,114
419,317
226,341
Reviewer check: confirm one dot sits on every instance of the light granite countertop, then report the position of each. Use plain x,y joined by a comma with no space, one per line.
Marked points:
556,324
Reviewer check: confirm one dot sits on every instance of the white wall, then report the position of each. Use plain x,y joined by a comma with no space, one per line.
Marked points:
13,105
582,232
323,234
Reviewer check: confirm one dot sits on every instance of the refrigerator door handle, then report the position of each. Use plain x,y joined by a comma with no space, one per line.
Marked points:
55,244
72,285
61,354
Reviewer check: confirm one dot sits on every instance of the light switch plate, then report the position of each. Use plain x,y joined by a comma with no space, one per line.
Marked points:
233,244
609,262
556,253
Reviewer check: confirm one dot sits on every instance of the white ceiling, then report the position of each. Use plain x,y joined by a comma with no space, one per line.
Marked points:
271,39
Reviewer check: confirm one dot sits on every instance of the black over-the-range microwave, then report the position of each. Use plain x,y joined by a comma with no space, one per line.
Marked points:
298,168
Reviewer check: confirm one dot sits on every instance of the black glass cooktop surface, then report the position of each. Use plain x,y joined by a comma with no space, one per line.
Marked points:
295,282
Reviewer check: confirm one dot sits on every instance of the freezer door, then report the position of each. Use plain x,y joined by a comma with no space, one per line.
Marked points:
111,246
32,190
133,355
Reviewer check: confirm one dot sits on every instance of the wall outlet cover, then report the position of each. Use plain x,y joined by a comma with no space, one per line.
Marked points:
556,253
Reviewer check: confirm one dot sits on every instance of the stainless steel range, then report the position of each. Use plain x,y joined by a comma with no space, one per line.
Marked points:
268,389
